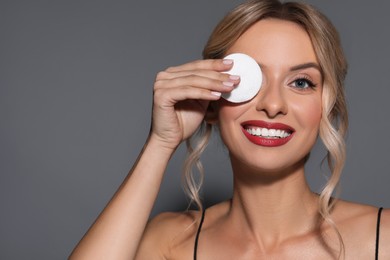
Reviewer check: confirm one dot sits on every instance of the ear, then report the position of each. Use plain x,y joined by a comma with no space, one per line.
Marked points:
211,116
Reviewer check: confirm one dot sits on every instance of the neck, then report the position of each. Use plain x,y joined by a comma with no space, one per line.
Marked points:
273,207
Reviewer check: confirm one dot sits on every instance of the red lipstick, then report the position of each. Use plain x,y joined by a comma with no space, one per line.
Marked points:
284,133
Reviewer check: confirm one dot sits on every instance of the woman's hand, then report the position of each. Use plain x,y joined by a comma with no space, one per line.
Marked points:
182,95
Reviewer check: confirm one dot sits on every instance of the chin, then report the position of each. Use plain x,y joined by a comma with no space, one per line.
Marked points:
268,166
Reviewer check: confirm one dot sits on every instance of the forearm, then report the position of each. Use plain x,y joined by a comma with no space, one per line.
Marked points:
119,228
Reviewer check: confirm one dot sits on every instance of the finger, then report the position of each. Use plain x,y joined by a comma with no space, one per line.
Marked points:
169,97
196,81
164,75
211,64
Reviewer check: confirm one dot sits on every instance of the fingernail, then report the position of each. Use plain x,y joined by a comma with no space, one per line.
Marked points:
228,62
228,84
218,94
234,77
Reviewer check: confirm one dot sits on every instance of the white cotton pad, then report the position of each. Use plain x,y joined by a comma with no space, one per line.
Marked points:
251,78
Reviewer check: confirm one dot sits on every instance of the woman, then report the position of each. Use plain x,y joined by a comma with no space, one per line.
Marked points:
273,214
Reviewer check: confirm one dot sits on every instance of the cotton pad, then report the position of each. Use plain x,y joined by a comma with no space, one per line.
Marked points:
250,78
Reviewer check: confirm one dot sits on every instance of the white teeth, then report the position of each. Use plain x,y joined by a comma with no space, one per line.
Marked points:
264,132
270,133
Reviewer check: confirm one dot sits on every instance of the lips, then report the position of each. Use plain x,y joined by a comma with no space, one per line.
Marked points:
266,133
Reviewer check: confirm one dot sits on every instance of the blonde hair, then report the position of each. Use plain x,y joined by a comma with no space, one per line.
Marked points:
327,46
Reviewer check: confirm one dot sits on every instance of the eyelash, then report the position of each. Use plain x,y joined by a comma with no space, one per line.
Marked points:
309,83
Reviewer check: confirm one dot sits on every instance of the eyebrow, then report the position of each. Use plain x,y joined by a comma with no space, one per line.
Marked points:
306,66
301,66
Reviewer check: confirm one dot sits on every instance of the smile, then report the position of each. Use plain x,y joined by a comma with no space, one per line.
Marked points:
267,134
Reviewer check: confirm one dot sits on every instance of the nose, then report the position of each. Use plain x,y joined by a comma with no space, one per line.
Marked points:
271,100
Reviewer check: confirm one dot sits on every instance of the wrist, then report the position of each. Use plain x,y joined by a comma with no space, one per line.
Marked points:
156,143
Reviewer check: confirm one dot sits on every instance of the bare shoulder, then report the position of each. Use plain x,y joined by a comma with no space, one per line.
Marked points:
167,233
357,224
384,235
350,211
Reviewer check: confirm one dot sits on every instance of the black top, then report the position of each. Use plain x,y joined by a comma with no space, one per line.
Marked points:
376,240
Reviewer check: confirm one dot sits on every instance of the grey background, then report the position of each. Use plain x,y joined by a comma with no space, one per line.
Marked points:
75,98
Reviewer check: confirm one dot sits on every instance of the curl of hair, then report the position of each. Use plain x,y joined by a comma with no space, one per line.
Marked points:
327,46
191,183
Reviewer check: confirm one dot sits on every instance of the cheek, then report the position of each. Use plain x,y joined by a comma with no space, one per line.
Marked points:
229,111
308,113
228,115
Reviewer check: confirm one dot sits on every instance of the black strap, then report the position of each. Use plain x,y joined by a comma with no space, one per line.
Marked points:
197,234
378,223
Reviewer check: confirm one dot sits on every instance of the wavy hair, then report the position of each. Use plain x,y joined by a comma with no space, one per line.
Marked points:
334,121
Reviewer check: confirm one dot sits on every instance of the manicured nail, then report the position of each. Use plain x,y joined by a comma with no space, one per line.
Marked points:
218,94
234,77
228,84
228,62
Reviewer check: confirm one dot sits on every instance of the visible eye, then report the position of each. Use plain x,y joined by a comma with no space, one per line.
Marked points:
303,83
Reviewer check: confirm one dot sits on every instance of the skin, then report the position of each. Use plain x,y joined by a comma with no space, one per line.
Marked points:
273,213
